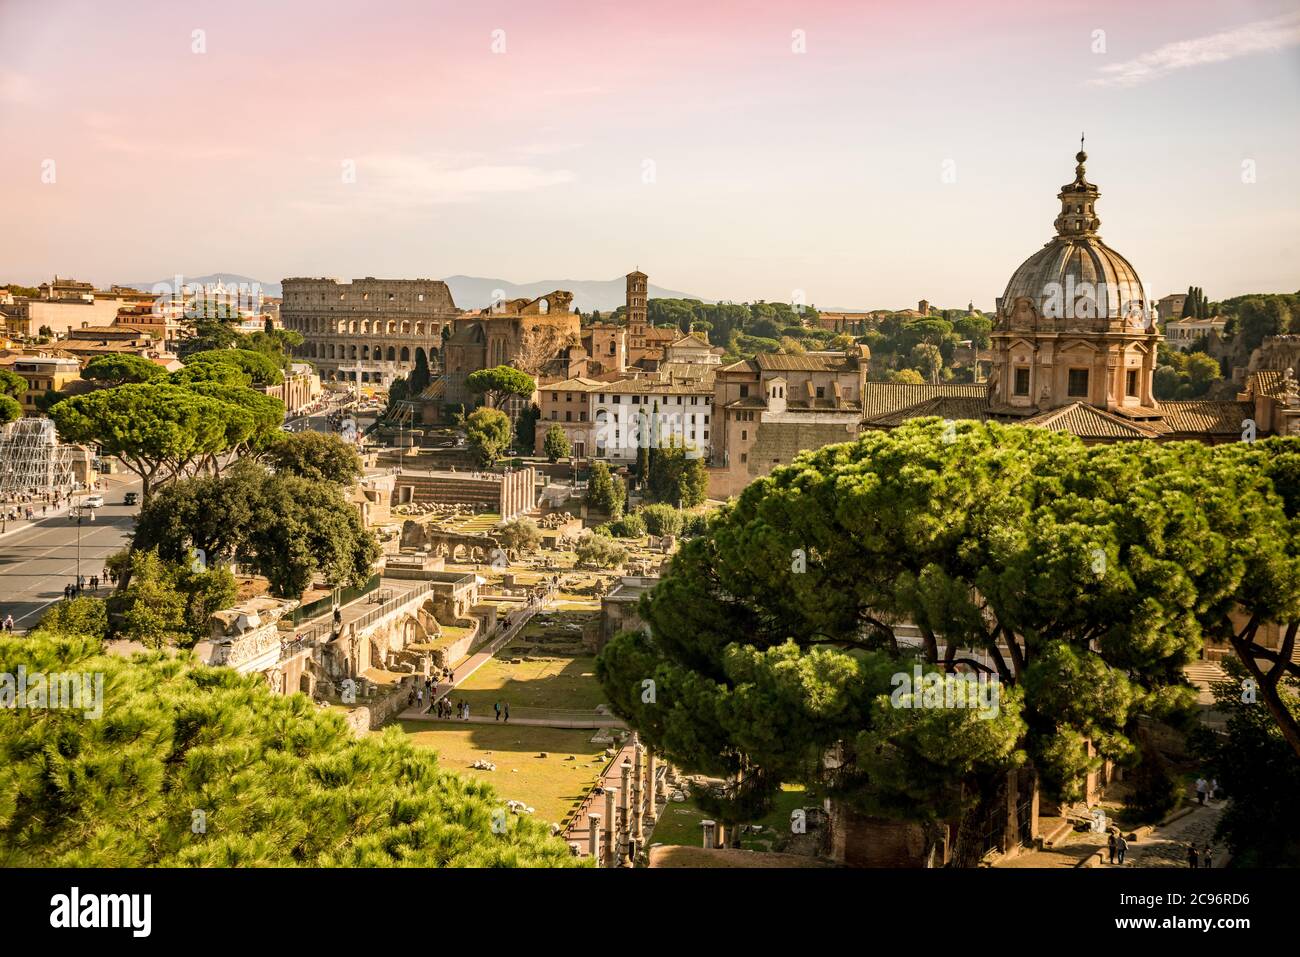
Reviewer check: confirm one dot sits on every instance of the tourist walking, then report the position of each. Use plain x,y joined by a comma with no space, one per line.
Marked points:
1121,848
1192,861
507,711
1201,788
497,707
1110,846
9,623
1207,857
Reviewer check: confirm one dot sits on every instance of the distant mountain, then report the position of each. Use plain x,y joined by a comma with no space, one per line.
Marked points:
476,292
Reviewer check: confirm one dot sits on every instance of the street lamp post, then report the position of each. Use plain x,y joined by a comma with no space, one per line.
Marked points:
78,548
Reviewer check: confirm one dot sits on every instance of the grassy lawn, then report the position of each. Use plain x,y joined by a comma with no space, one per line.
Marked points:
568,683
550,785
680,823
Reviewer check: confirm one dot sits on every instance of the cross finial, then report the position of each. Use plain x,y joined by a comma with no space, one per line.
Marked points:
1080,142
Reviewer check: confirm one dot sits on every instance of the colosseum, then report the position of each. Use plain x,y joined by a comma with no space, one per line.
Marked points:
367,330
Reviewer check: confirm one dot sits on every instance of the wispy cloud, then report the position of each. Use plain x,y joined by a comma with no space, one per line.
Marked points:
399,181
1261,36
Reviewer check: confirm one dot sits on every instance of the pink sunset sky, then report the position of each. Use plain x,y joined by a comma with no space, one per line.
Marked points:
692,140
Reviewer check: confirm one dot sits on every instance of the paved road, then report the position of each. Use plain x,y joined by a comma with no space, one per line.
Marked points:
38,558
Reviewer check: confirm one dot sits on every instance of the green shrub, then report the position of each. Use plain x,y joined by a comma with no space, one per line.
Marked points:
629,526
662,520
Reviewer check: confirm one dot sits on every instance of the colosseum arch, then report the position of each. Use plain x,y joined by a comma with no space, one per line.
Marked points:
392,354
406,327
405,354
352,327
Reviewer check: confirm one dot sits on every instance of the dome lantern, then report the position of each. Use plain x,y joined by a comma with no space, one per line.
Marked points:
1078,218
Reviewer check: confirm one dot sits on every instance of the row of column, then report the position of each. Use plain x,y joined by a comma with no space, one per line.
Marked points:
630,809
518,492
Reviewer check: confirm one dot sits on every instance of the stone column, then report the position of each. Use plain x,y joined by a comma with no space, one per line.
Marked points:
624,808
593,836
652,785
708,833
638,790
611,795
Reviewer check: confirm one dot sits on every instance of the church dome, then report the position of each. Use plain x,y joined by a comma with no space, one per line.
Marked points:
1075,281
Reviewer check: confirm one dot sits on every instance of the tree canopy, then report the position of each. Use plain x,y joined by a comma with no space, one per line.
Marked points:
1083,579
500,383
119,368
556,444
157,430
260,367
488,433
676,477
315,456
203,767
288,528
605,492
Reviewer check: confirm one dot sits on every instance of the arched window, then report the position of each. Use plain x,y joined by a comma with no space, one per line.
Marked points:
405,354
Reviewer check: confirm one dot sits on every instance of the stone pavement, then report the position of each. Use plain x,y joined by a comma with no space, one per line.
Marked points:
1166,846
1162,846
538,717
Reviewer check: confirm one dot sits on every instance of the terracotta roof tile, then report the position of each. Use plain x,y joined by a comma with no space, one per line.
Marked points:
1207,416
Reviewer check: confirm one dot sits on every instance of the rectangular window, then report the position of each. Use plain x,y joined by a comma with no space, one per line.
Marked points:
1078,383
1022,381
1131,382
744,434
568,416
744,457
821,392
744,392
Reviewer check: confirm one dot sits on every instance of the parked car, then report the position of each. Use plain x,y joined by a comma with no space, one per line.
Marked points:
130,498
93,501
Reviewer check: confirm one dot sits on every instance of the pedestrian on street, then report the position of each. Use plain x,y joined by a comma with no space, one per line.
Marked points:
1110,846
1191,856
1121,847
507,711
1201,788
1207,857
497,708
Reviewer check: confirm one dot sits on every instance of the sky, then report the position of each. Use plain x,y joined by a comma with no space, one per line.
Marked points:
852,154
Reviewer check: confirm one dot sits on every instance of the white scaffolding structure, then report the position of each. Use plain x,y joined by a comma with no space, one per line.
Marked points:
33,460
